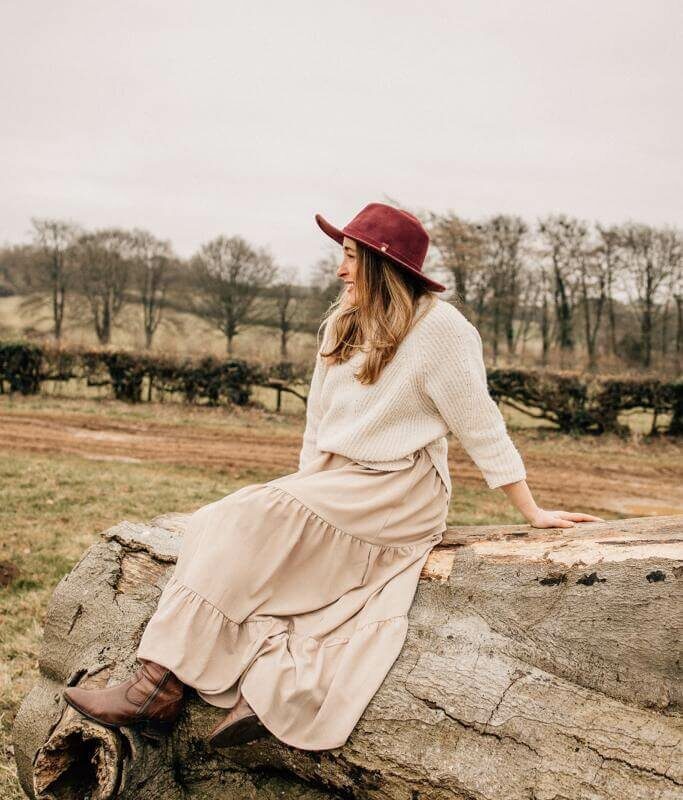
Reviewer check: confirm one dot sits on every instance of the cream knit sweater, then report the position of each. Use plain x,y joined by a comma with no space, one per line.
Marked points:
435,383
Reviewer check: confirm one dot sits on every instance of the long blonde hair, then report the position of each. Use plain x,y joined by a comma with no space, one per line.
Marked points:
385,310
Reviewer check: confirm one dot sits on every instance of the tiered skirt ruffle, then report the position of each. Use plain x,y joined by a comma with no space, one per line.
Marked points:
296,593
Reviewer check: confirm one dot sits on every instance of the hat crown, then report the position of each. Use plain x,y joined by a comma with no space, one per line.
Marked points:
392,231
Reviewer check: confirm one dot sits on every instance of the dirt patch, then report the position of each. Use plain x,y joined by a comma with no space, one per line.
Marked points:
102,437
642,506
595,476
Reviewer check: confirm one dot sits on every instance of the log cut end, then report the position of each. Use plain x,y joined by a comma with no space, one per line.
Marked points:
80,759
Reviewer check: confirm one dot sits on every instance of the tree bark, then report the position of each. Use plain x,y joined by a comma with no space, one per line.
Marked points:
539,664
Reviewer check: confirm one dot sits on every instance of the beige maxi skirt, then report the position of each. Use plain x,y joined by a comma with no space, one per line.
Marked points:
296,593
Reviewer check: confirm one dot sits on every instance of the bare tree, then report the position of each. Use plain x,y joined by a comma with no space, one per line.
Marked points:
324,287
324,278
287,306
503,237
610,254
18,269
545,321
152,262
664,328
104,261
677,295
593,272
479,291
231,275
564,238
54,240
461,247
651,256
530,293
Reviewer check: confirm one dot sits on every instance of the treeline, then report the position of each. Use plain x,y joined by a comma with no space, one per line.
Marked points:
570,401
559,293
580,289
228,282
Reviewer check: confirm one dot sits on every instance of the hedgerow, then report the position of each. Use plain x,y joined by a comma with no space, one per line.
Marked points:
574,402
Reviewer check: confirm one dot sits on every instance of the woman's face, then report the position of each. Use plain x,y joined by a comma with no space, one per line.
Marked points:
347,269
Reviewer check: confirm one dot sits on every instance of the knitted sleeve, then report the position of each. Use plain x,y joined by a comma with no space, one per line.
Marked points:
455,381
309,447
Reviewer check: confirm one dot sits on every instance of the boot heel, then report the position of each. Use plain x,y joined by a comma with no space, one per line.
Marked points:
155,730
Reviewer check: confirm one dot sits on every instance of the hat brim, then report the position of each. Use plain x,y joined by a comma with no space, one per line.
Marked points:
330,230
338,236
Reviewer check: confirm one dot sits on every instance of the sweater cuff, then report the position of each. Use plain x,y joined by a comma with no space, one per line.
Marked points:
512,477
506,469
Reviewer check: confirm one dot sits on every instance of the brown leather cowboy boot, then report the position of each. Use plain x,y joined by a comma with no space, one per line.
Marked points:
239,726
151,698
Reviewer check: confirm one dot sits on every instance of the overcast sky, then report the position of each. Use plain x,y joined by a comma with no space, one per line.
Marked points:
198,118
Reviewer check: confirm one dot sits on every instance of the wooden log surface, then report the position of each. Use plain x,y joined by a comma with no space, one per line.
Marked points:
539,664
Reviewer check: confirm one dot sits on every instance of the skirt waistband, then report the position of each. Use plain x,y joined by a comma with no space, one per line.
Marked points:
396,464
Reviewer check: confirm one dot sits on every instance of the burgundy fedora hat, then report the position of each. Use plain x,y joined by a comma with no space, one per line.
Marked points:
391,232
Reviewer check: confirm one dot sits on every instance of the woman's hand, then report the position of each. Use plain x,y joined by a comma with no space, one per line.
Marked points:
520,496
541,518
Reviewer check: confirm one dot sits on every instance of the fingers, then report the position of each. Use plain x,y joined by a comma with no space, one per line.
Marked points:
560,519
555,522
578,516
566,519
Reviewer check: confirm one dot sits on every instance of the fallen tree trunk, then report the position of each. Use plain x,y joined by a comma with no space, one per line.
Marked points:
539,664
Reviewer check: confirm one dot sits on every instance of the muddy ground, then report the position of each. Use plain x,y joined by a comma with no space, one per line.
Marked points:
634,477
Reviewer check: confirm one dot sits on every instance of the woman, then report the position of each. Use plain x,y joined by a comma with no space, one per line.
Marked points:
289,601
